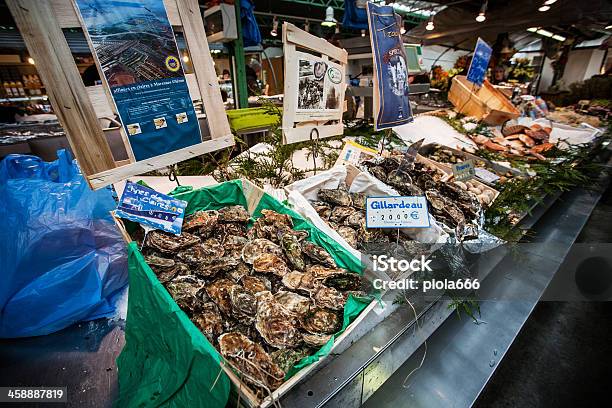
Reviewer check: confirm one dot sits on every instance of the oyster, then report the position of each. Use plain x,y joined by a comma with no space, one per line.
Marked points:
201,222
256,284
378,172
318,254
251,360
231,228
330,298
187,293
240,271
344,281
321,321
359,200
349,235
316,340
287,358
208,320
277,326
164,268
322,208
170,243
339,214
234,243
234,213
243,301
219,292
198,254
216,265
258,247
270,263
356,220
293,302
292,248
320,271
262,230
278,219
335,196
305,282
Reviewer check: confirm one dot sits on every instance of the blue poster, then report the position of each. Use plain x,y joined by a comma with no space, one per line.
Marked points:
150,208
480,63
137,52
391,104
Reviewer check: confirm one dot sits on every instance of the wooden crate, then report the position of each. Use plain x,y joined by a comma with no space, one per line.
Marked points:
485,103
253,195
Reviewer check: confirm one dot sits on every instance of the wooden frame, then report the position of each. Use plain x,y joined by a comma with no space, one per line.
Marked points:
299,127
79,108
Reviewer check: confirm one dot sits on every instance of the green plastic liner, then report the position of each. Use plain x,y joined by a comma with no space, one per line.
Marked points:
242,120
166,360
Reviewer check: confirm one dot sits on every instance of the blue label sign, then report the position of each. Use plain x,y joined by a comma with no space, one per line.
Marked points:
397,212
136,50
480,62
150,208
464,171
392,105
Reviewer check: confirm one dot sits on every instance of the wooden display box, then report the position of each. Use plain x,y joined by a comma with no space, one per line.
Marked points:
248,397
485,103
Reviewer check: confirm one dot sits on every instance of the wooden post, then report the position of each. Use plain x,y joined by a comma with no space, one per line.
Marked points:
55,64
195,37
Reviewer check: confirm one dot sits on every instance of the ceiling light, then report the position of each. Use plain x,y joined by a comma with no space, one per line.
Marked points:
185,58
337,29
430,24
481,15
545,33
608,27
532,29
30,60
307,26
544,8
363,33
403,28
274,31
549,2
329,21
558,37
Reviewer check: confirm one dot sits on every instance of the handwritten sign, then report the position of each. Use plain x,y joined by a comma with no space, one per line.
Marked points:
464,171
397,212
150,208
486,175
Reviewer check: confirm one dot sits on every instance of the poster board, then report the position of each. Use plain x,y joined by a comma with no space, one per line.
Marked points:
391,94
82,110
314,86
480,62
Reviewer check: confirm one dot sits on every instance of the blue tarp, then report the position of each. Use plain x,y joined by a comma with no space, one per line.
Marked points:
250,30
354,17
62,260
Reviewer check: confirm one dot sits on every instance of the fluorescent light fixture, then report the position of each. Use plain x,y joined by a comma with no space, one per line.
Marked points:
544,8
608,27
532,29
549,2
558,37
329,21
545,33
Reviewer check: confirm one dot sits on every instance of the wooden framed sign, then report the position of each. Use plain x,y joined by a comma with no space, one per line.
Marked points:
314,86
144,83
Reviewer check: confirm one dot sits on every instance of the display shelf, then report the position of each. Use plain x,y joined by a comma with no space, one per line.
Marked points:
387,341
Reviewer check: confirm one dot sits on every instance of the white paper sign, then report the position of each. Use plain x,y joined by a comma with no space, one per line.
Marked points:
486,175
397,212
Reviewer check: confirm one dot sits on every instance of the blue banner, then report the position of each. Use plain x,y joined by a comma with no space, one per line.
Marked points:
137,53
392,106
150,208
480,62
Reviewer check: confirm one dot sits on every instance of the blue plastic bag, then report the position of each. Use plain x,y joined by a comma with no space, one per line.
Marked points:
250,30
62,260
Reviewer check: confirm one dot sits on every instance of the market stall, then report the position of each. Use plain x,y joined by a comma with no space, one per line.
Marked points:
254,268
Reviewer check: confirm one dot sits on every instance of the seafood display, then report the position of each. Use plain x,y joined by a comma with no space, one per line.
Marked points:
518,140
264,296
453,204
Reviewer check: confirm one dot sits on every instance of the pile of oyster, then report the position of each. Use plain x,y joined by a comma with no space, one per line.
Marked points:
457,208
345,213
264,296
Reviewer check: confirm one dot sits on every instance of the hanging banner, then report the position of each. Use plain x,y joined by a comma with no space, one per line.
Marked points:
391,104
480,62
136,51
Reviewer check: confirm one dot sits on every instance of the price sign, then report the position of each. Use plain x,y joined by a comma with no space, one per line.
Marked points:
486,176
464,171
397,212
150,208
